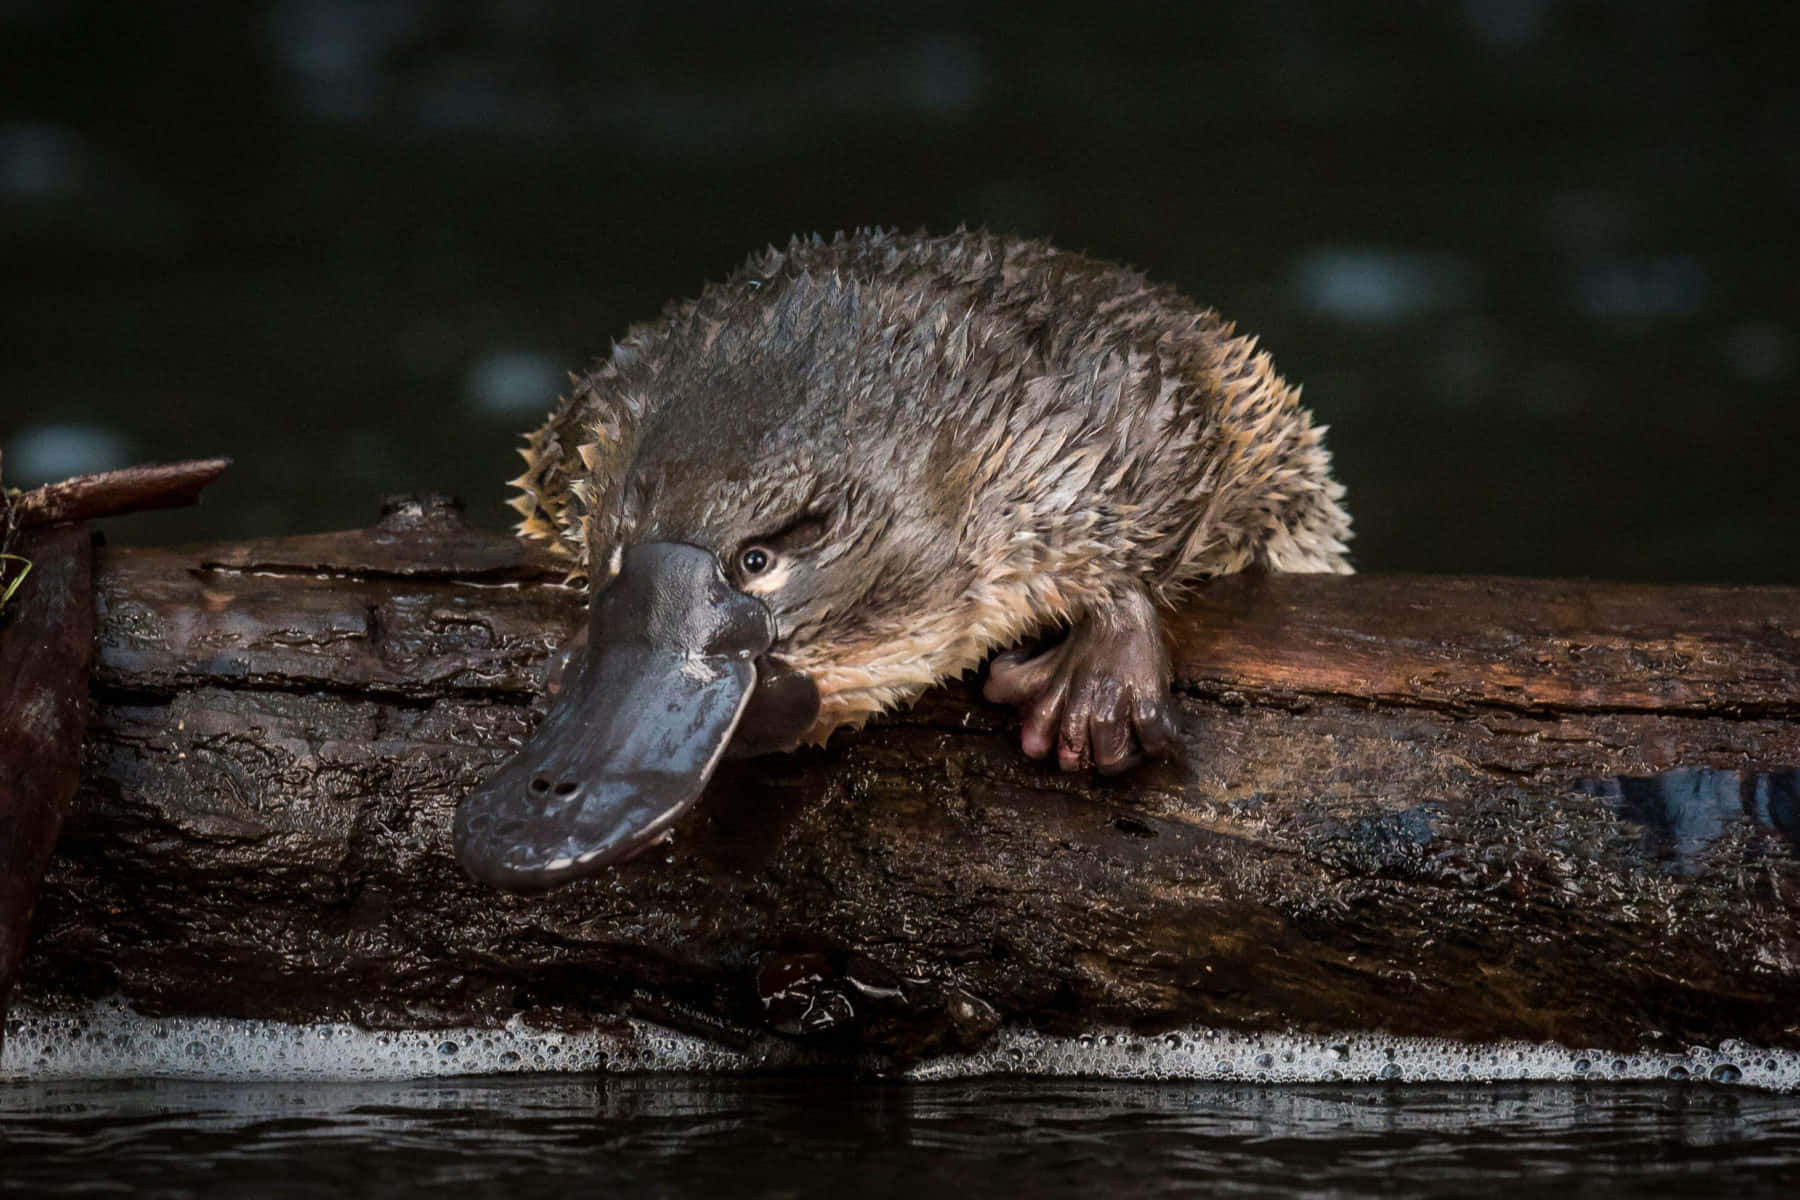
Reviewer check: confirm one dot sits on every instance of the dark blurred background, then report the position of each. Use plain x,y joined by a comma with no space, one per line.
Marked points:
1534,260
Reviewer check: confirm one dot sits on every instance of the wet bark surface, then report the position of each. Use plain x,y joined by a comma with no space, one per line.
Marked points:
1471,808
46,644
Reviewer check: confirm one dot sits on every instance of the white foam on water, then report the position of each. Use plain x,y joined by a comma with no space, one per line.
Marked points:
1218,1056
110,1041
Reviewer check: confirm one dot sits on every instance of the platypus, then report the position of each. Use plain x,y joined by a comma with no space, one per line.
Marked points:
858,467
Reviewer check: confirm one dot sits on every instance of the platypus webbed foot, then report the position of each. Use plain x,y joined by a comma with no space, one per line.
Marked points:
1100,697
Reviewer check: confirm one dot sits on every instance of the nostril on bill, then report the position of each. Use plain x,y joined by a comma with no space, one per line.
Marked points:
551,794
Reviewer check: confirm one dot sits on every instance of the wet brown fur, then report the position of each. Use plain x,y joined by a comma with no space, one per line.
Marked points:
965,439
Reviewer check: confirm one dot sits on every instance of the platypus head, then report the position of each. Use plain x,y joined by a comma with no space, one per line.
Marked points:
766,558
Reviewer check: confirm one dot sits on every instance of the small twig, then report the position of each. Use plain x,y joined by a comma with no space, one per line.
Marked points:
12,585
112,493
9,527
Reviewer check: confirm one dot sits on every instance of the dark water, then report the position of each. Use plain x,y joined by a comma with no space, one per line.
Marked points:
685,1136
1532,259
678,1136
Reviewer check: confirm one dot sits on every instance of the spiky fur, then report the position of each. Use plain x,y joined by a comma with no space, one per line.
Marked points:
999,435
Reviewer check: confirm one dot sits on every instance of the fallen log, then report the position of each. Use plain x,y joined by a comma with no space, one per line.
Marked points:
1461,807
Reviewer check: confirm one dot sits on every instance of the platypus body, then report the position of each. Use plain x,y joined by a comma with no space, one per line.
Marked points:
858,467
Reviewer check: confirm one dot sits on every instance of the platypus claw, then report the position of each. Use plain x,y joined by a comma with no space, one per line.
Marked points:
1099,698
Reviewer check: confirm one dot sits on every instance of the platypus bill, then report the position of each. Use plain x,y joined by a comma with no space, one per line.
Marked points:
857,468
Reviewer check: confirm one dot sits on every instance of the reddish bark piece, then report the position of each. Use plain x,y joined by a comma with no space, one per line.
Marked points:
46,646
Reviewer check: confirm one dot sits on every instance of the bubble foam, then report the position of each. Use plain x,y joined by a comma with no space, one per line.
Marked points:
1218,1056
110,1041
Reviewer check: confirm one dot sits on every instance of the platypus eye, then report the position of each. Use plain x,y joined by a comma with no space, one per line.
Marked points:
795,538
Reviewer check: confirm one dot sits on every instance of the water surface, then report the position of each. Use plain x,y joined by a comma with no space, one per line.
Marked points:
681,1136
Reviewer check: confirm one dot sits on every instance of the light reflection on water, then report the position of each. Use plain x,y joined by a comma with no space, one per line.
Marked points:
797,1136
1686,811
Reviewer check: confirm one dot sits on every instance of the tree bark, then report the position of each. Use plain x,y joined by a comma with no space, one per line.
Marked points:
46,644
1462,807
